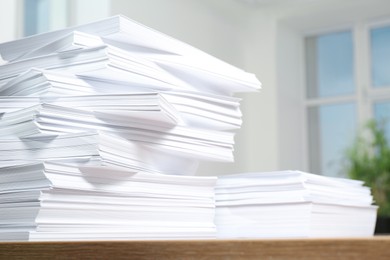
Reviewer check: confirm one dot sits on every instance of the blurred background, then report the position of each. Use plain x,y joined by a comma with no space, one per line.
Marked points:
324,66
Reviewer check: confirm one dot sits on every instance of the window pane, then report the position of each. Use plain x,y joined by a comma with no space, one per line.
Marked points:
331,131
382,112
380,56
36,16
329,60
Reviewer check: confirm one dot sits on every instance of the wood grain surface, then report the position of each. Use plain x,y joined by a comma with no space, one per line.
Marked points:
354,248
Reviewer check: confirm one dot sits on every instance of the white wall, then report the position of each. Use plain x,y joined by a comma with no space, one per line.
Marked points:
290,92
10,20
85,11
258,148
200,23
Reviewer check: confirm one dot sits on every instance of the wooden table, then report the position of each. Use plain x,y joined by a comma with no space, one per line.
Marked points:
355,248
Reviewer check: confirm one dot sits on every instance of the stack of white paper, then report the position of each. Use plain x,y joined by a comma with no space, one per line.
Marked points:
50,201
192,97
108,76
94,119
292,204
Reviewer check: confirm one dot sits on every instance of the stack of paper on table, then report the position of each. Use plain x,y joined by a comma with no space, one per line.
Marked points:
86,111
49,201
292,204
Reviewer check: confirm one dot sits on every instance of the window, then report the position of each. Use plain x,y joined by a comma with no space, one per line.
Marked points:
36,16
44,15
330,75
344,89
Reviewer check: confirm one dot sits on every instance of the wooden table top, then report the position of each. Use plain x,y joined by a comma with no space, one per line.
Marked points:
377,247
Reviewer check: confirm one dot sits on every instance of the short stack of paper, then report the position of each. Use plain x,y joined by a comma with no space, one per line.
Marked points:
97,124
292,204
49,201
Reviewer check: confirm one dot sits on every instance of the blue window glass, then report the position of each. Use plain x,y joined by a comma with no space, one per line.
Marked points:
331,129
380,57
330,65
36,16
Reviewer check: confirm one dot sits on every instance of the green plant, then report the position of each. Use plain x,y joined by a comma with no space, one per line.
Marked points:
368,159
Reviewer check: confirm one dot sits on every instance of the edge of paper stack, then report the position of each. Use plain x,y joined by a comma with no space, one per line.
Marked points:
102,129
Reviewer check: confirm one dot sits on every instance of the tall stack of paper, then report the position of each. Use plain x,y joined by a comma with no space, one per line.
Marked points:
94,117
292,204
